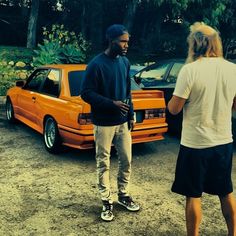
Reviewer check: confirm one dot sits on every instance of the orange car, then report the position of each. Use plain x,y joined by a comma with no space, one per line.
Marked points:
49,102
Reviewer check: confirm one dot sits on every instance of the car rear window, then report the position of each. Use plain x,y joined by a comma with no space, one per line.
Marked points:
75,80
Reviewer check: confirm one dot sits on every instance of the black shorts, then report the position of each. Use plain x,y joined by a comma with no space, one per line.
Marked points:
204,170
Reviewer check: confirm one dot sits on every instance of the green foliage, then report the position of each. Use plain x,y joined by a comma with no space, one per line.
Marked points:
72,55
61,46
211,12
8,53
48,53
9,74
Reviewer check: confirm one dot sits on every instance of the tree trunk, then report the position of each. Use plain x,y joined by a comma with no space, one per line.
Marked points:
130,14
83,20
95,24
32,26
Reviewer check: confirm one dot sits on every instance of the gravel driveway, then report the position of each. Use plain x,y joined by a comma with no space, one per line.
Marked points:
44,194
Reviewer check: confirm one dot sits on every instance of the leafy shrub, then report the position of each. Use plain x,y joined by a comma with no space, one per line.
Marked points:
48,53
72,55
61,46
9,75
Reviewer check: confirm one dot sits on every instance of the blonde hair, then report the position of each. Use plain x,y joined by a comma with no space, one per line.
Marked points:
203,41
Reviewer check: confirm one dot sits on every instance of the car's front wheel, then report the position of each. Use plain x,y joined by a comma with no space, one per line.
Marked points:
51,136
9,111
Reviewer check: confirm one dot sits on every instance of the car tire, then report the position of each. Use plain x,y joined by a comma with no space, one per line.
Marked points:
51,136
9,111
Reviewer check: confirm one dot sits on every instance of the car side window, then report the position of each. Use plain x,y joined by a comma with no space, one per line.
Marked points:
36,79
51,83
172,77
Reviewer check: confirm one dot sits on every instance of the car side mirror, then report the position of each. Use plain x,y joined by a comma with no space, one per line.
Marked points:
20,83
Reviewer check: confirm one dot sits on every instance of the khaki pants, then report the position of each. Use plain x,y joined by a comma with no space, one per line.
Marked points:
120,136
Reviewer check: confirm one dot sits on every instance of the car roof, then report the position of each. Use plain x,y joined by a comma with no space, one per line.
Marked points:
66,66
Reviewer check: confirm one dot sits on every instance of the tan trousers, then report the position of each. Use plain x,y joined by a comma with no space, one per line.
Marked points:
120,136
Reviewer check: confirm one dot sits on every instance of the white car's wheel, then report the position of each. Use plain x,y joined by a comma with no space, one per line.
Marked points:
51,136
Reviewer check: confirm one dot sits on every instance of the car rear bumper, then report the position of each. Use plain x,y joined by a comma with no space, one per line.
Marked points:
143,135
84,139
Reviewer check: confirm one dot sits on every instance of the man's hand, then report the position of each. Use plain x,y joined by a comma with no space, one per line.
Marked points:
124,108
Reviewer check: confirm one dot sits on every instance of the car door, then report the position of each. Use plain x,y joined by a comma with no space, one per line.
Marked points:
47,98
28,96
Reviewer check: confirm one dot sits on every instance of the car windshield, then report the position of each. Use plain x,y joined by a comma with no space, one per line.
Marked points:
134,69
158,75
173,74
134,85
152,76
75,80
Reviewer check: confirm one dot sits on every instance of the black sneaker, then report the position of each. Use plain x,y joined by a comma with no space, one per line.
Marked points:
107,208
128,203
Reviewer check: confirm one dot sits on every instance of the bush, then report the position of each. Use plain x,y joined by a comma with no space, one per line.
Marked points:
61,46
14,65
70,55
48,53
10,73
9,53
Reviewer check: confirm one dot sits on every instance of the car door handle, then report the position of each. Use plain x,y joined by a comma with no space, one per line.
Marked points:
33,98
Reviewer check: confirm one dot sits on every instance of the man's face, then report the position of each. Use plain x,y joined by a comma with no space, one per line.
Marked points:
120,45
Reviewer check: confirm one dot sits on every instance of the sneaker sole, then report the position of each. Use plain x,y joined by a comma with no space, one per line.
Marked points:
107,220
129,209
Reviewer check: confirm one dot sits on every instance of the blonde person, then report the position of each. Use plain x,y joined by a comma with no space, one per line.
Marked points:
206,90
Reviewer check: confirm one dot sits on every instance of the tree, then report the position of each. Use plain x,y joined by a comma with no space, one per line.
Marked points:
211,12
32,26
155,25
130,14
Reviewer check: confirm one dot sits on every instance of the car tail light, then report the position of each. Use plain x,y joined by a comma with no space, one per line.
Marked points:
155,113
85,119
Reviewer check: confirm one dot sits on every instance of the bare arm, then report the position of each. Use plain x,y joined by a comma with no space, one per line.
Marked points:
176,104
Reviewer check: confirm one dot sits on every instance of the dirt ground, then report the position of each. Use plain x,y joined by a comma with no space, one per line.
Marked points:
48,195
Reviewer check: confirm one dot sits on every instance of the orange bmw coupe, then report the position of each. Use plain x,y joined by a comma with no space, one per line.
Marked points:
49,101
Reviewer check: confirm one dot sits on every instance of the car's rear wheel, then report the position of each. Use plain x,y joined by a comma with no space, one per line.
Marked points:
51,136
9,111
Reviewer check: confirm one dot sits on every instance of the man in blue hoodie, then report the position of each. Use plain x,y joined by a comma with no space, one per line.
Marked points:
106,87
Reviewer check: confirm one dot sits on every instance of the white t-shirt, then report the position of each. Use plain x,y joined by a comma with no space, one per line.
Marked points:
209,85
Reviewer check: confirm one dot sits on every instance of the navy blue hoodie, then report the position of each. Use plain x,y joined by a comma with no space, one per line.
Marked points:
107,79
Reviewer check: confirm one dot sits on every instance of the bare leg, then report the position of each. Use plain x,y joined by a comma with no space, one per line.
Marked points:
228,207
193,213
